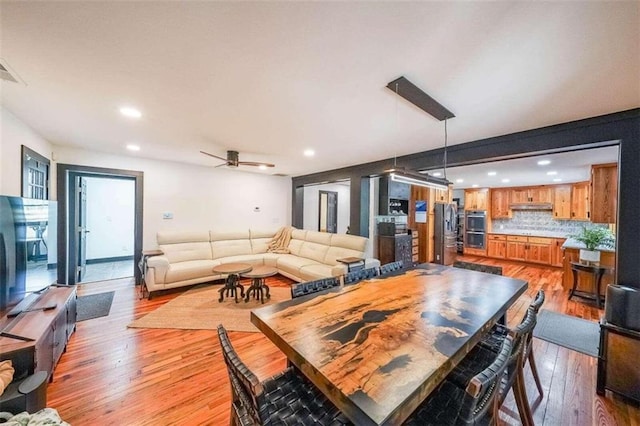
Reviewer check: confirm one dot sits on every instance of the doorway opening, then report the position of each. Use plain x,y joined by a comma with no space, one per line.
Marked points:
100,223
326,207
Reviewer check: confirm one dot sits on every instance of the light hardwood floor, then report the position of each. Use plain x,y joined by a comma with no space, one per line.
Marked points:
114,375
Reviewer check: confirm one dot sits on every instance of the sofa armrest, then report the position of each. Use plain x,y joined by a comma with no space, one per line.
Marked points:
160,265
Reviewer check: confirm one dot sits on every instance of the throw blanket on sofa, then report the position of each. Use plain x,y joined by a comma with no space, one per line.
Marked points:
280,241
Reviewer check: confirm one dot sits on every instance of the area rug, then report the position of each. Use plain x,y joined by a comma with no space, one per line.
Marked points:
94,305
573,333
199,309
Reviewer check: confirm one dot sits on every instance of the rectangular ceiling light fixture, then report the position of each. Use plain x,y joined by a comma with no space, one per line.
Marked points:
416,96
399,174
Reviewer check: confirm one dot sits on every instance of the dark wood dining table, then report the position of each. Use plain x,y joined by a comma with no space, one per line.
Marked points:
378,348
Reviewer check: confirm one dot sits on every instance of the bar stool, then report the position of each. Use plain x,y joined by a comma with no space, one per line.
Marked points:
596,271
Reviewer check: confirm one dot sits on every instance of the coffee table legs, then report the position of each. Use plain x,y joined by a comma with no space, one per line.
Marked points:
233,282
258,287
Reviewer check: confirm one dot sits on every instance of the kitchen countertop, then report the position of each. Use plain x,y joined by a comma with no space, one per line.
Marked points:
574,244
548,234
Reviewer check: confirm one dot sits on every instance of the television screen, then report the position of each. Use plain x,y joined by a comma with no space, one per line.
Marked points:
27,248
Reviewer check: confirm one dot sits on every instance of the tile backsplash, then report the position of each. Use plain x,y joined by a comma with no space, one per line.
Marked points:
537,220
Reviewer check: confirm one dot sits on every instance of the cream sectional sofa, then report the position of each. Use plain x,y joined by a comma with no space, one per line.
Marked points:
189,257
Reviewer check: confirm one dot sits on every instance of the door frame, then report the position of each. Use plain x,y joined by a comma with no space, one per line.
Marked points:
327,216
67,250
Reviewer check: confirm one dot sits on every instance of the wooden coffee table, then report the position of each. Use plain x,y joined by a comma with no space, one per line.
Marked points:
233,279
258,287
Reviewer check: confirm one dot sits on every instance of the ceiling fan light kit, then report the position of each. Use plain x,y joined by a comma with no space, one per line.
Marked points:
233,160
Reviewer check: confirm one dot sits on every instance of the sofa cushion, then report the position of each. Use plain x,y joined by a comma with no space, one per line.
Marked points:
292,264
314,272
182,252
225,244
353,242
271,259
175,237
252,259
191,269
260,240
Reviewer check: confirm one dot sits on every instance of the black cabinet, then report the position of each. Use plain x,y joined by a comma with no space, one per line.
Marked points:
393,249
393,197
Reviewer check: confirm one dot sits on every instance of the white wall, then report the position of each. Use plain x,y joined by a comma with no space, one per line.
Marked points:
13,134
312,202
110,217
200,198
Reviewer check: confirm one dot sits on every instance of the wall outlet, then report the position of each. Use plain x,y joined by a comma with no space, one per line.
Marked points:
167,215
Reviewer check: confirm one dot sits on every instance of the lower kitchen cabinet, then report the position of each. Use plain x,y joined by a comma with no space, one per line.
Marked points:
516,247
392,249
557,253
497,246
538,250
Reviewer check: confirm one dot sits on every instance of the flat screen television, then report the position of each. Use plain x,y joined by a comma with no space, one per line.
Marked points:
27,248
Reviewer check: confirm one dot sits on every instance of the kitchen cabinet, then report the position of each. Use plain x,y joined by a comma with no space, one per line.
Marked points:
557,253
604,193
532,194
580,201
476,199
529,249
497,246
562,202
538,250
393,196
516,247
442,195
393,249
500,199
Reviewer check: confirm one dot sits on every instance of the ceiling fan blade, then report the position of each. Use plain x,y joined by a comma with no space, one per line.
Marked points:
214,156
254,163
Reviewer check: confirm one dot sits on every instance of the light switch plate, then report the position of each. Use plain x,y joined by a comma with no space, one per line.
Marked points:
167,215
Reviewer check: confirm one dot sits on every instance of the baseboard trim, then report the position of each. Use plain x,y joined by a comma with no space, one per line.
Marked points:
109,259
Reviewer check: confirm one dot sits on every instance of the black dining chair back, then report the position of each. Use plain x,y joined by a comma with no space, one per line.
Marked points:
538,301
472,404
391,267
363,274
489,269
286,398
309,287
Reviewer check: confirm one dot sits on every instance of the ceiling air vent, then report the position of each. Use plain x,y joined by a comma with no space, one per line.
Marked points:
6,73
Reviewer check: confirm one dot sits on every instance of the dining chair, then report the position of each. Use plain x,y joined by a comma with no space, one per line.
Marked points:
301,289
482,354
363,274
286,398
489,269
474,403
388,268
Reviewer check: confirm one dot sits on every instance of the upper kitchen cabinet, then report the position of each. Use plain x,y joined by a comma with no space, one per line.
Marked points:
500,199
562,202
393,197
443,195
476,199
604,193
532,194
580,201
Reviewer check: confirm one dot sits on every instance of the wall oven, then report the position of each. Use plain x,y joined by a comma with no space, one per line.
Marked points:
475,227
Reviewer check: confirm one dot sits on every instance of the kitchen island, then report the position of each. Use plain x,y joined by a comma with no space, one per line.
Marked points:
571,250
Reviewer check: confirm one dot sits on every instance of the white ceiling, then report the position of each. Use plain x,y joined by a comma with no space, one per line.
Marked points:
569,167
272,79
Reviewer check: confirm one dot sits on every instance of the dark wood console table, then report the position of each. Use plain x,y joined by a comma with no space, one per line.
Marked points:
48,331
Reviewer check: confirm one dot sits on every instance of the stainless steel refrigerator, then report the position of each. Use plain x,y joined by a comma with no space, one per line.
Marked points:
445,233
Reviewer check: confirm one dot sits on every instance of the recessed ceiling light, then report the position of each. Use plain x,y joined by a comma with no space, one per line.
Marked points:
492,173
544,162
132,147
557,180
309,153
436,174
459,180
130,112
262,167
505,180
475,185
552,173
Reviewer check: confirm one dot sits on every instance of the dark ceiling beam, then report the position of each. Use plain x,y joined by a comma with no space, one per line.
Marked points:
403,87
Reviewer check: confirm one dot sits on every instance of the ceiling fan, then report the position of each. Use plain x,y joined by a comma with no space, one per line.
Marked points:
232,160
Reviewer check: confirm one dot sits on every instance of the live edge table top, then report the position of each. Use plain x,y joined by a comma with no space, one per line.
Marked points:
378,348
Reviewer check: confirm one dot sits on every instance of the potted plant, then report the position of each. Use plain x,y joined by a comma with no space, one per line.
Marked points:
593,237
